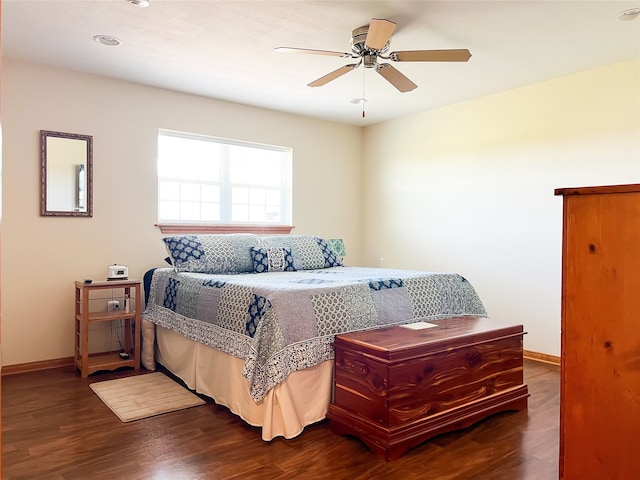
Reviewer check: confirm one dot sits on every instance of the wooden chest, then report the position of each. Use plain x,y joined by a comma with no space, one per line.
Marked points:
395,387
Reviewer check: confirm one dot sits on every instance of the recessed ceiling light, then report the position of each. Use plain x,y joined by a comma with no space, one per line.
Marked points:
106,40
630,14
139,3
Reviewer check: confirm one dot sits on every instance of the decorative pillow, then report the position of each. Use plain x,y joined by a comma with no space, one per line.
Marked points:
224,253
272,259
309,252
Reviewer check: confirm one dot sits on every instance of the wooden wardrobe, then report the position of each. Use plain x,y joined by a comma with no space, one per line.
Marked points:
600,356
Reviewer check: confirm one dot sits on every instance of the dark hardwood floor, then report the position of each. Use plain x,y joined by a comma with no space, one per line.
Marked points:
55,427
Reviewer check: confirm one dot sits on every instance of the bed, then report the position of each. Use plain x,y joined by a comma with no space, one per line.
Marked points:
249,321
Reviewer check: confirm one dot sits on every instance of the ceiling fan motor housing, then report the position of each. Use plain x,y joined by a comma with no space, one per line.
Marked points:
358,47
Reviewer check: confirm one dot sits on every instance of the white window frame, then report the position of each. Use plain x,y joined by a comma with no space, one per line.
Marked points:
284,189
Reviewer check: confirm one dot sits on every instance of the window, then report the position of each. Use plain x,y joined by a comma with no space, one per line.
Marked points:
219,181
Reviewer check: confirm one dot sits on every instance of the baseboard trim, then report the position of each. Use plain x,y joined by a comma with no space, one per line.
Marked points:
36,366
541,357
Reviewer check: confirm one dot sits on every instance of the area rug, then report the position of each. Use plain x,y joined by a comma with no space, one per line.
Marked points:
142,396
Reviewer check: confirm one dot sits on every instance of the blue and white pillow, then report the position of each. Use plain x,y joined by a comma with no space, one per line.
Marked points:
272,259
224,253
309,252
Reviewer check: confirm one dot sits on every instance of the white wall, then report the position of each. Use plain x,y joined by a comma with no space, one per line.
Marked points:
42,256
470,187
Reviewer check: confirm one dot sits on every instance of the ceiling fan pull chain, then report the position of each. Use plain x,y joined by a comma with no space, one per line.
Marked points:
364,99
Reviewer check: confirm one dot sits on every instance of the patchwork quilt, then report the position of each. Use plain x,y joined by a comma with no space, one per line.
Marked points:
279,322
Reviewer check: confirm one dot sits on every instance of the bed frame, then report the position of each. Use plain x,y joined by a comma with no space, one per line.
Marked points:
260,341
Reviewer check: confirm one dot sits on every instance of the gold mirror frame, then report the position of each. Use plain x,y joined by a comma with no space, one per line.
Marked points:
76,186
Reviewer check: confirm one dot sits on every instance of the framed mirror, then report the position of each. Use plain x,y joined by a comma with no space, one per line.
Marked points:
66,174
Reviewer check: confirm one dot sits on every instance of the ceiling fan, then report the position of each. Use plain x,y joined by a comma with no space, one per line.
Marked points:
369,44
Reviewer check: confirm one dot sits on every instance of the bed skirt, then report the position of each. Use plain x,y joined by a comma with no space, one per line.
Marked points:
301,400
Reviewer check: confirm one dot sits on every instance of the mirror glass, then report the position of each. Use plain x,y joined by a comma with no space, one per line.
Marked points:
66,174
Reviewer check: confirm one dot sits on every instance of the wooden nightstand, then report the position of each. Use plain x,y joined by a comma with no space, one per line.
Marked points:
91,306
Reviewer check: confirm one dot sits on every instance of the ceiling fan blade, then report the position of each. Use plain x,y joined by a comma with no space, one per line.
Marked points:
312,51
379,33
459,55
333,75
395,78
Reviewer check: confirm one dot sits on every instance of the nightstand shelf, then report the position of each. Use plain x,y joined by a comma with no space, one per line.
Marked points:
90,308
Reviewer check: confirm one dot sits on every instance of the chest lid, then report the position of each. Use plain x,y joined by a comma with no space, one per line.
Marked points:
400,343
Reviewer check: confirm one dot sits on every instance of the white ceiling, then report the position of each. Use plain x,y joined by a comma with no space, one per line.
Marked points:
225,49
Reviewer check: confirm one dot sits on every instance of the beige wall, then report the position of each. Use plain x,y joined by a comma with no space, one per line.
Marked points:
42,256
470,187
465,188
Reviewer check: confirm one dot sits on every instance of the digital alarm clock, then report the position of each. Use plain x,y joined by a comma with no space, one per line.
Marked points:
117,272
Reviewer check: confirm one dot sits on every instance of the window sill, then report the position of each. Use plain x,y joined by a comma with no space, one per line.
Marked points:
204,228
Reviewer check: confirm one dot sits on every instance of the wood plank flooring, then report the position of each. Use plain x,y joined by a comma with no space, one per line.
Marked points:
54,427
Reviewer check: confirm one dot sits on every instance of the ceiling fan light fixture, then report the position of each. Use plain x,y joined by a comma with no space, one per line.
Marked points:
630,14
107,40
